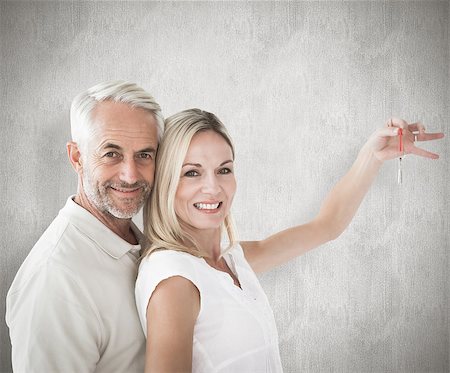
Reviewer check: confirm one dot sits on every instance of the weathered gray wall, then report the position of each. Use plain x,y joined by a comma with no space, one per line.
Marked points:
300,86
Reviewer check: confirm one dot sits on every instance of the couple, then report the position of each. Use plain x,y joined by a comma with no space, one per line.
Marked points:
75,304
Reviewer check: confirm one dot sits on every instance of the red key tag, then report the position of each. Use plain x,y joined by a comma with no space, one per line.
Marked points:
400,146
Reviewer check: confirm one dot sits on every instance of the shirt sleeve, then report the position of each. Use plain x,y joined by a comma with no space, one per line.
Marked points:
53,324
160,266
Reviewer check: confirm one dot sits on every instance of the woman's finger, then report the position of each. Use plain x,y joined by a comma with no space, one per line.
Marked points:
388,131
416,127
429,136
423,153
417,131
397,122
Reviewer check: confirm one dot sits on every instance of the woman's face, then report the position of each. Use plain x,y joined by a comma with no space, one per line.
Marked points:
207,184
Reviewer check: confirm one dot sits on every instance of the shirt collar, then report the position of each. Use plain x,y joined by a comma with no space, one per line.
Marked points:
104,238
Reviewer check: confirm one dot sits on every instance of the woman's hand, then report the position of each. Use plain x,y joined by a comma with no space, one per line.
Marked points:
385,142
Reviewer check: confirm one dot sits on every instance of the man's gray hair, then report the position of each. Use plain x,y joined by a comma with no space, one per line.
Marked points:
117,91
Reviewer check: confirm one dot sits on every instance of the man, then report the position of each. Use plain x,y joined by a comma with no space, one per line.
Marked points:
71,307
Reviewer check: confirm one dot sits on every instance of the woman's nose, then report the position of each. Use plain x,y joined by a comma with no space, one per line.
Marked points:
210,184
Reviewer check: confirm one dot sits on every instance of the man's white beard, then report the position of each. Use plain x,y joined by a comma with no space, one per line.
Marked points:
99,197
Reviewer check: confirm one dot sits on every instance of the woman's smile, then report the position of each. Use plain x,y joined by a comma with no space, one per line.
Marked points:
208,207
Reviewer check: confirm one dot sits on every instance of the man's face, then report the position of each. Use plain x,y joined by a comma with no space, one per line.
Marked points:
119,159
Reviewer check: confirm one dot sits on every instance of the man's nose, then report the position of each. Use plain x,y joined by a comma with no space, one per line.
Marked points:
129,171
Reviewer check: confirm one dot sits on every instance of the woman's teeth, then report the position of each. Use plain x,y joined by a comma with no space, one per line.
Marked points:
207,206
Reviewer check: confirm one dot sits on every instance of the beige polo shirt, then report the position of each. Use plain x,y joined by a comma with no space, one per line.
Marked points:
71,306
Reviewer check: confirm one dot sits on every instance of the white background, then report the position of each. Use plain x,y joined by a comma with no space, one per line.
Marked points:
300,85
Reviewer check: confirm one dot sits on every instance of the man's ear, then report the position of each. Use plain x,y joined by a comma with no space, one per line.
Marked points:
74,155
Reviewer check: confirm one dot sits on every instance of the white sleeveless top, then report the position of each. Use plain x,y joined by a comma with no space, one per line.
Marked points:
235,330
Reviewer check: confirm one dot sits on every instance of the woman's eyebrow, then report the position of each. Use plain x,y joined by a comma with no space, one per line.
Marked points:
192,164
199,165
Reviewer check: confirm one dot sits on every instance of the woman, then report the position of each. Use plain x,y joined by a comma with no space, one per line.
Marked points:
201,305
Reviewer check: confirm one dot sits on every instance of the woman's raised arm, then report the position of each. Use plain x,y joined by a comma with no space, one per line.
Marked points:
342,202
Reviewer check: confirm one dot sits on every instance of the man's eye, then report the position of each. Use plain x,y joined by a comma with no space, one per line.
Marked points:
191,173
111,155
145,155
225,171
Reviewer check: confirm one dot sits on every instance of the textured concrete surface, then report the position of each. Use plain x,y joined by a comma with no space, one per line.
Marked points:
300,85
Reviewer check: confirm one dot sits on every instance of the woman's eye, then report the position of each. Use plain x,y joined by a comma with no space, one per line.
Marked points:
191,173
225,171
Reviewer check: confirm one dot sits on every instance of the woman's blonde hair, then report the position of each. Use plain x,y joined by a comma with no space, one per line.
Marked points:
161,224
